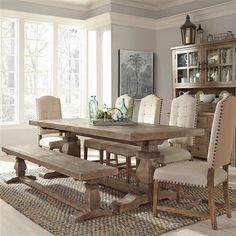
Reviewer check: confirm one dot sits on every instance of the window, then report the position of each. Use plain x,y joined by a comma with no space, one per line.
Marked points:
92,64
8,68
38,64
69,56
40,56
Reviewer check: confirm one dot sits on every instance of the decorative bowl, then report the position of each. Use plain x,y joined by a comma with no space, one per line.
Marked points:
206,98
223,94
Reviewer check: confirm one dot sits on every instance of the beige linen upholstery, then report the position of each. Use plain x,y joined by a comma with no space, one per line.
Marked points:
51,142
149,112
174,154
99,144
184,114
188,174
207,174
49,108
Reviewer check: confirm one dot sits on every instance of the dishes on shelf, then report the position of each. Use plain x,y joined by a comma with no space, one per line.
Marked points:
198,93
223,94
182,93
207,98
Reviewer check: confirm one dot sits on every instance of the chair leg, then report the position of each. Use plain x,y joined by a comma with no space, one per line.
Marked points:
226,193
101,156
211,199
128,168
85,153
226,198
108,157
136,166
116,159
178,192
137,162
156,192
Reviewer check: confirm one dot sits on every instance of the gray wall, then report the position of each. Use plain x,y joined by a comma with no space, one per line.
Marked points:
129,38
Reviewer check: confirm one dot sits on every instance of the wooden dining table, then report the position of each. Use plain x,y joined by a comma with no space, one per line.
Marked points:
146,136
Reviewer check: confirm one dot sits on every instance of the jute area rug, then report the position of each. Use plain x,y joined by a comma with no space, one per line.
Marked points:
55,216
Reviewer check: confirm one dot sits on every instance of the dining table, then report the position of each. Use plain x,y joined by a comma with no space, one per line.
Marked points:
146,136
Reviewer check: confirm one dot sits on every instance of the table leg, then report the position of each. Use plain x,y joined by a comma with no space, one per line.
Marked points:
148,156
71,146
20,168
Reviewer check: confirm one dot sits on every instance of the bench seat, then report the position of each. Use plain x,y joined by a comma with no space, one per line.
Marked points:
68,165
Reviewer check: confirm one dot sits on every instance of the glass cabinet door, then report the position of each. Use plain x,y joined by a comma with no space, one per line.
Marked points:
188,68
226,64
219,65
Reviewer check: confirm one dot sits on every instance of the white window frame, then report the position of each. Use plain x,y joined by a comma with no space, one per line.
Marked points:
21,17
16,72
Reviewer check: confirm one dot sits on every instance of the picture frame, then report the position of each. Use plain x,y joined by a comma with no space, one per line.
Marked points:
136,73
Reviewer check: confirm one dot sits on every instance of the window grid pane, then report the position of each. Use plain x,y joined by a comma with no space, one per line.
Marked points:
8,57
38,64
69,56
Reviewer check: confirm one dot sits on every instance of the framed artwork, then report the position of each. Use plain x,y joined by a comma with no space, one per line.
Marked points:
136,73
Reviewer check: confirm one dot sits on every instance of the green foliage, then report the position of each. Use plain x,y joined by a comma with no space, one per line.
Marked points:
103,114
130,112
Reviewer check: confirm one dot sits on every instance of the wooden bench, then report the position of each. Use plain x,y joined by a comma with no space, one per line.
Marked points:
74,167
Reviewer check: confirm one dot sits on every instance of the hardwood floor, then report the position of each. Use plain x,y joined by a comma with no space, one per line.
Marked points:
13,223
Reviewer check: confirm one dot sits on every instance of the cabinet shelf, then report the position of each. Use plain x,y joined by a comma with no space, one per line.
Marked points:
190,86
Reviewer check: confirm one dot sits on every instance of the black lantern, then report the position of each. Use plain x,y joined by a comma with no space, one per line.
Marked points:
188,32
200,34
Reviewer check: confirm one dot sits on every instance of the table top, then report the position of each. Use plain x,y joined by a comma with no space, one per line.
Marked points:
133,133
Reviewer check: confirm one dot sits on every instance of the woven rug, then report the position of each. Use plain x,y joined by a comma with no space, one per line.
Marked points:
55,216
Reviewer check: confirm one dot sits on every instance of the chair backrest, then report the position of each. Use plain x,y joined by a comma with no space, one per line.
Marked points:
222,133
129,102
48,108
150,110
184,114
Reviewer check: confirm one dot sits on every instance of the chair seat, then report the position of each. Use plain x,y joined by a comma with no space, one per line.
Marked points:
174,154
192,173
52,142
125,150
97,144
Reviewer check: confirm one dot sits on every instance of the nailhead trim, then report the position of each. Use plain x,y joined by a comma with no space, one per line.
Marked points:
211,159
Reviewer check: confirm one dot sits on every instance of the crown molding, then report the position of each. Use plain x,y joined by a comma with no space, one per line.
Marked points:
223,9
212,12
71,6
98,21
45,18
57,4
158,7
133,21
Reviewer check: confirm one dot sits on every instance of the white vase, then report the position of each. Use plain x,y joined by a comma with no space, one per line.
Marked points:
228,76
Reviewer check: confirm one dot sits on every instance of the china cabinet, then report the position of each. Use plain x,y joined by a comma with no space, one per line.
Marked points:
206,68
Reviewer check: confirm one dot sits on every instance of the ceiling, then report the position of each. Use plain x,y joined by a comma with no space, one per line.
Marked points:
91,4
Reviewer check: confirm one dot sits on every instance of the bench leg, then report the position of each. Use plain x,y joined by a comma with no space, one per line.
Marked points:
92,201
20,168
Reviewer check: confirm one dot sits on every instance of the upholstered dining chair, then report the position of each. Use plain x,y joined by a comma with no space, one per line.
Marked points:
149,113
184,114
49,108
99,144
204,174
